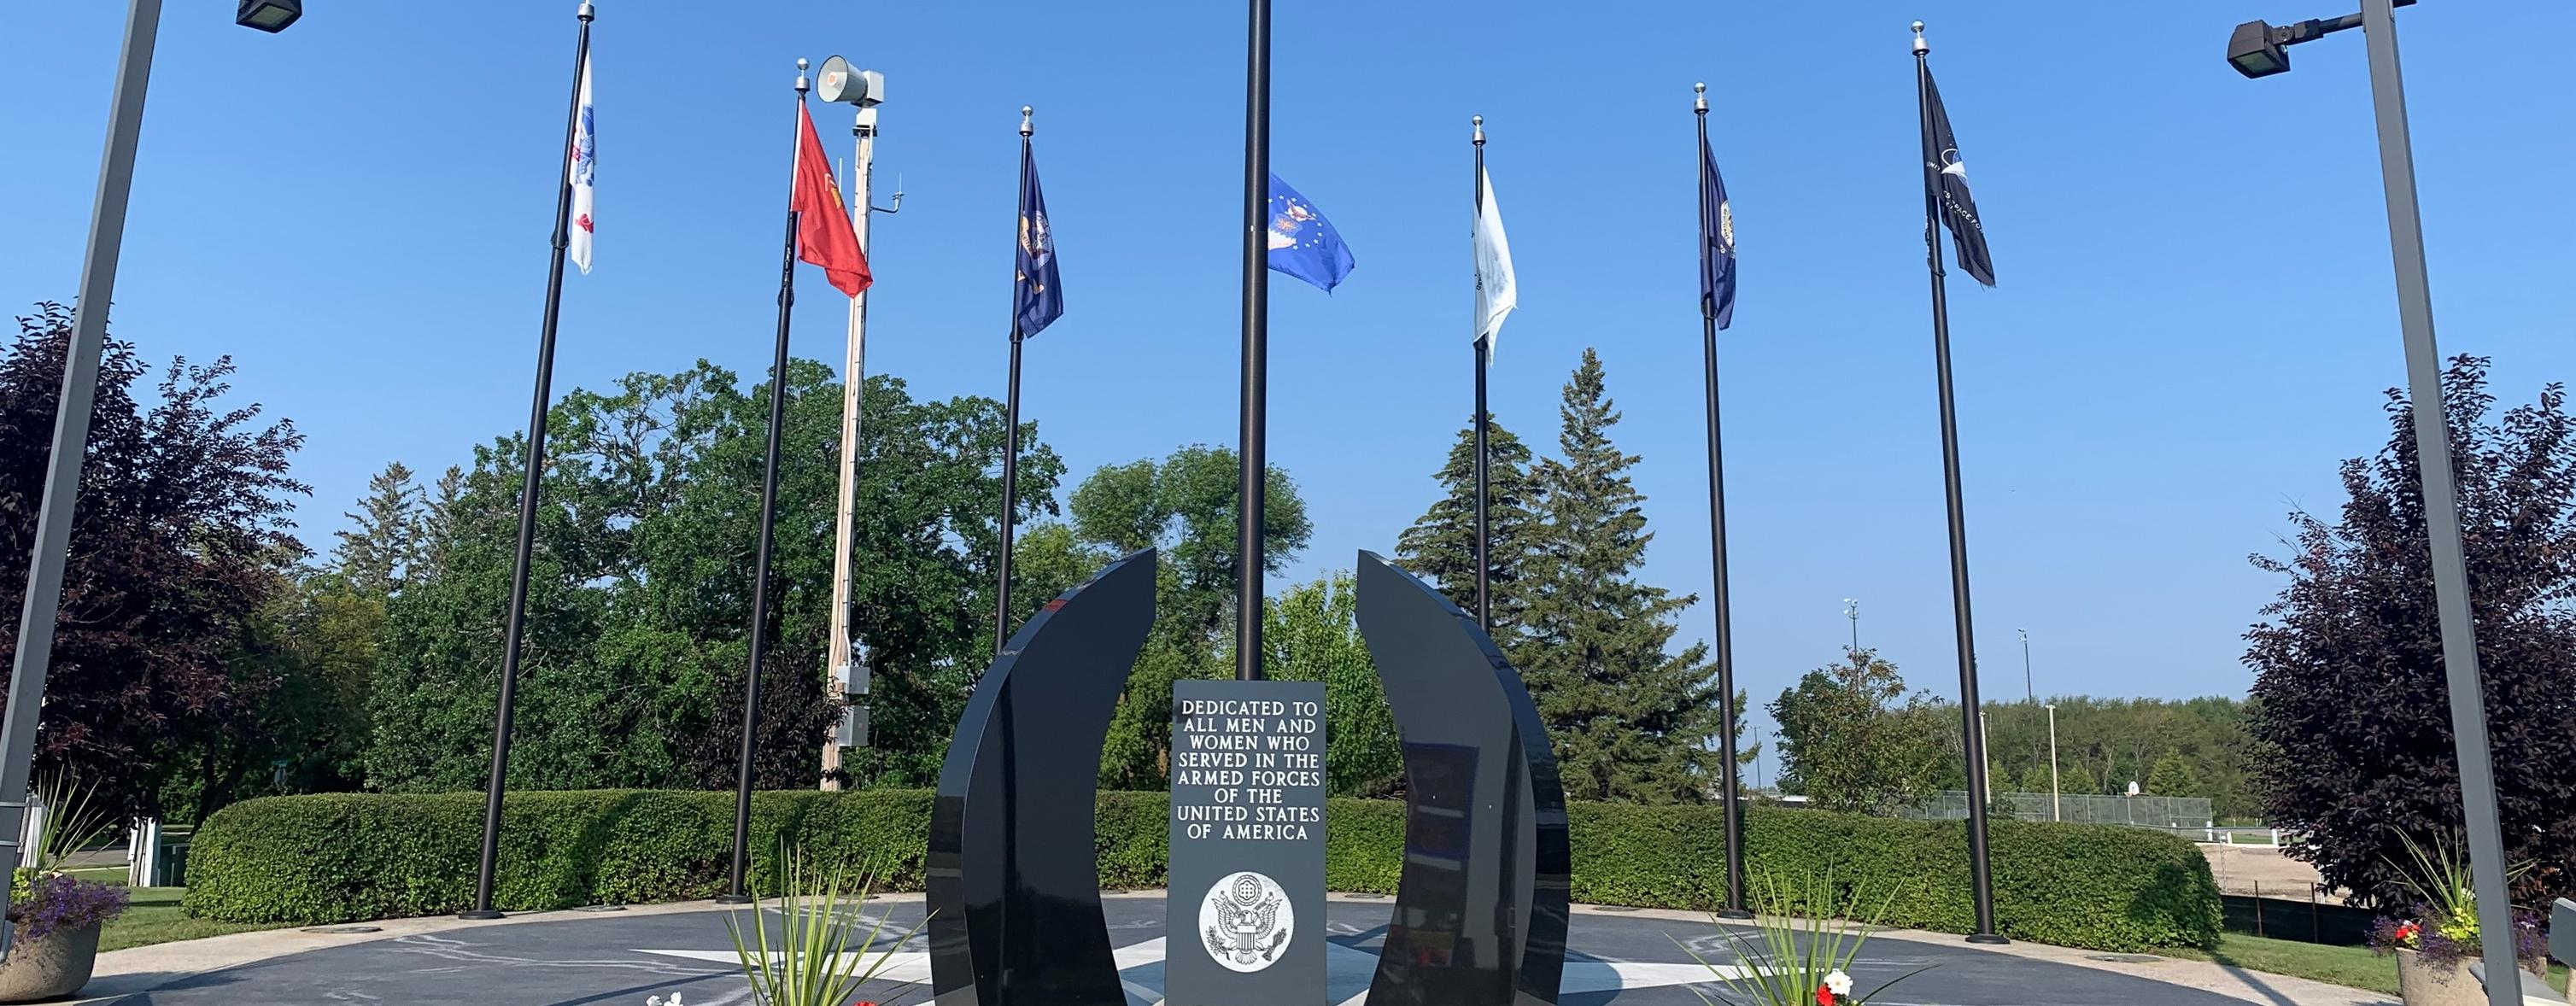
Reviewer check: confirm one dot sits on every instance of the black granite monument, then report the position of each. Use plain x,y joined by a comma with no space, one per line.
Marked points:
1480,912
1014,886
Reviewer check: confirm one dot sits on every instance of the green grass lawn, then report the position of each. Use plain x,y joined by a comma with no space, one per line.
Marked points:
154,918
2356,967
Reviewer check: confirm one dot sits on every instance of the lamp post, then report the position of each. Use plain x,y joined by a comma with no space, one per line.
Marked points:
2027,691
1851,610
2053,813
43,603
2258,49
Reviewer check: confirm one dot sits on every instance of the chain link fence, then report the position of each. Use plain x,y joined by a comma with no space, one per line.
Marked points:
2180,814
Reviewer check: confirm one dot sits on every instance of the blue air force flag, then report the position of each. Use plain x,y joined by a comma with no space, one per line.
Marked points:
1302,243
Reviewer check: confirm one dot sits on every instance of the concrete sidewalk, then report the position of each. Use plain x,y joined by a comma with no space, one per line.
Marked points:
127,972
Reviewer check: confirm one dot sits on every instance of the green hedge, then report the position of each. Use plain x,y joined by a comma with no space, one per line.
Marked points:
346,857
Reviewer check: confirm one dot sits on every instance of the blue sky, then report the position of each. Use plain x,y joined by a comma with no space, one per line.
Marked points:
2195,319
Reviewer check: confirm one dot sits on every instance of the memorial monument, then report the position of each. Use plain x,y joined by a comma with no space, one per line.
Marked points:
1480,913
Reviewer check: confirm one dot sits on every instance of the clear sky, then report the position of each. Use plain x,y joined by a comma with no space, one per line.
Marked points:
2195,321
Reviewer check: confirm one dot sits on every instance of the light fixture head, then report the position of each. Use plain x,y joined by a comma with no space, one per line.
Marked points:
270,16
839,81
2256,50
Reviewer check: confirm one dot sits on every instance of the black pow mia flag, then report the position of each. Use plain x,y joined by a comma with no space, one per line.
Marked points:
1945,178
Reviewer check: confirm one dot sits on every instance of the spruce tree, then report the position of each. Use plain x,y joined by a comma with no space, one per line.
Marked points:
1630,721
1441,545
376,555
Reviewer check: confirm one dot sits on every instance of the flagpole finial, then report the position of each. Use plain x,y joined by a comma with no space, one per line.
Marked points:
1920,46
801,83
586,12
1025,112
1699,103
1479,122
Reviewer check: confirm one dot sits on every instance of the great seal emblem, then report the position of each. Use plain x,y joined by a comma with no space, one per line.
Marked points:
1246,921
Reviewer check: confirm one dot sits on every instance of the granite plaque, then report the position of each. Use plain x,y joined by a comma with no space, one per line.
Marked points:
1245,913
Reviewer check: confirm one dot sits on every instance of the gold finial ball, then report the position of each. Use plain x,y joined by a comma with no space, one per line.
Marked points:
1918,27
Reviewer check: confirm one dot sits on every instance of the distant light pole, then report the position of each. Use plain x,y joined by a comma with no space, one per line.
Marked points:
43,603
2257,49
1851,610
2027,690
2054,814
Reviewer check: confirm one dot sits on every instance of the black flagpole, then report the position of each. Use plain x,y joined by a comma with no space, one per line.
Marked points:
1734,908
534,476
1011,429
1484,534
734,891
1980,873
1256,346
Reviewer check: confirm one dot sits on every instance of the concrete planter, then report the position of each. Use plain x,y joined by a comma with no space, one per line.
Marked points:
2421,983
50,968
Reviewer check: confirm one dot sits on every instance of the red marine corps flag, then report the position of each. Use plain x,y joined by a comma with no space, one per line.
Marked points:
823,234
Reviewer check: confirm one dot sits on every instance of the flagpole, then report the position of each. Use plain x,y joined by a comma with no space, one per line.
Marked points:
1011,426
1980,874
1256,346
1734,907
533,476
1484,421
844,654
734,891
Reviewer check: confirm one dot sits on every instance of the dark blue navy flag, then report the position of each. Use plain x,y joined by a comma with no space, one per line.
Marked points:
1716,242
1947,177
1302,243
1040,302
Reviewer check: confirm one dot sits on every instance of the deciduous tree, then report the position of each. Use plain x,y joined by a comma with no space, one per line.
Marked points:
2353,709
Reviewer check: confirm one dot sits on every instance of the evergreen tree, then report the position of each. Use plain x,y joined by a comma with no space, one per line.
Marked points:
2172,776
1630,721
1440,547
378,552
2075,779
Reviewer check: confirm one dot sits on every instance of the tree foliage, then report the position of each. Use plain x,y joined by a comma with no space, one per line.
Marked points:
2353,711
2121,739
1853,739
1188,506
640,588
180,533
1440,547
1312,634
1631,721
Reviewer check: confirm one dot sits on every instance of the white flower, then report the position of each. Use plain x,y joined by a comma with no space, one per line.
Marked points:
657,1000
1836,982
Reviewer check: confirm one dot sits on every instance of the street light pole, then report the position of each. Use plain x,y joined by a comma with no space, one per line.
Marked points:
2441,506
2054,814
1851,610
43,603
2258,49
2027,691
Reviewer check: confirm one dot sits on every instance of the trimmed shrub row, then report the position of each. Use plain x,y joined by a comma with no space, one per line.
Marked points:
345,857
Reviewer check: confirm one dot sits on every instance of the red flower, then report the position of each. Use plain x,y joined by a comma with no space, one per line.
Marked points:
1824,996
2407,932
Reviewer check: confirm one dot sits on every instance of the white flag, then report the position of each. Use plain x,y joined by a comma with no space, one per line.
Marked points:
1496,293
578,167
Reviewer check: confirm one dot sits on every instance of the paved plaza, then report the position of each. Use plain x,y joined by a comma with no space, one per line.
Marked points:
570,959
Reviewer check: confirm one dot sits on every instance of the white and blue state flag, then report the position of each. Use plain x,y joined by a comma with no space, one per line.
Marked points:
585,154
1302,243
